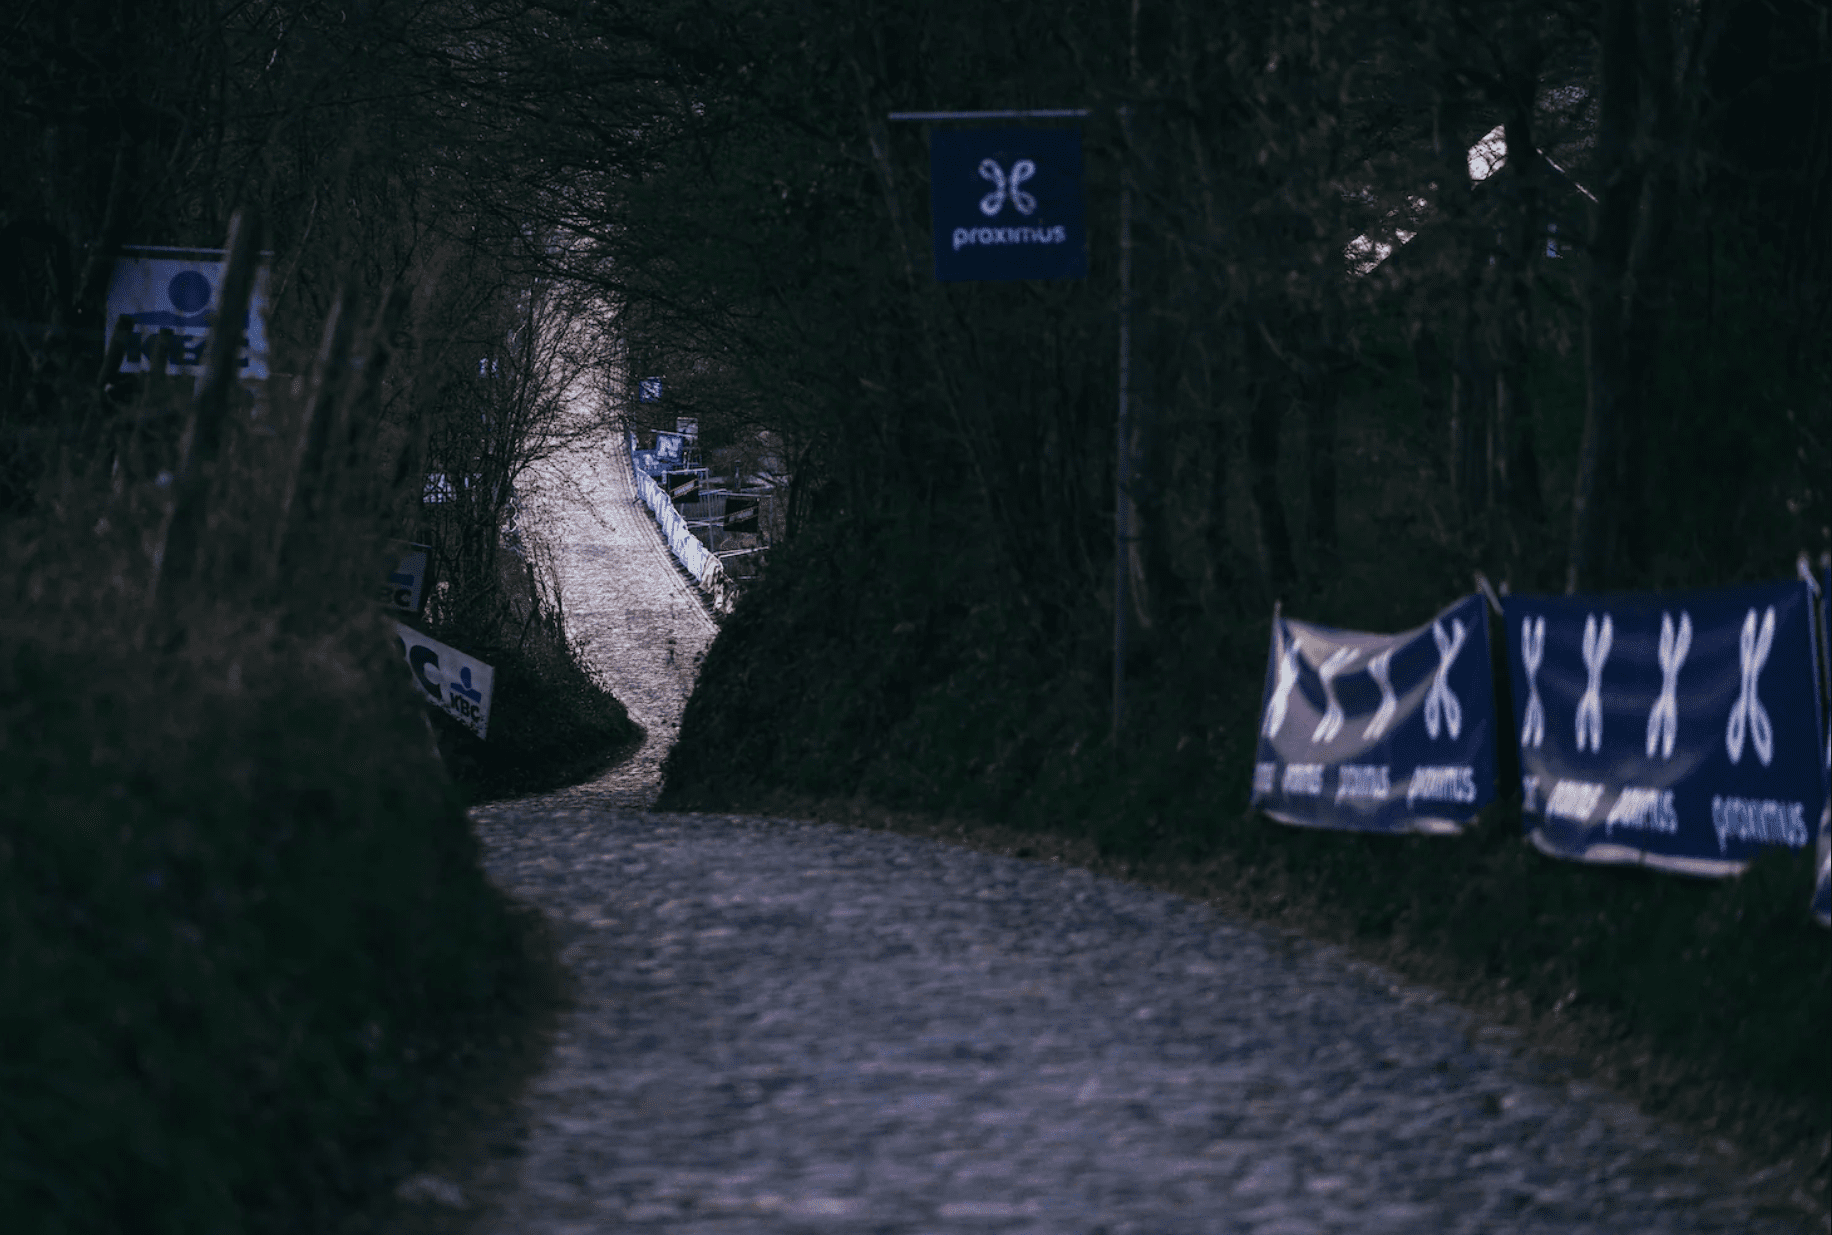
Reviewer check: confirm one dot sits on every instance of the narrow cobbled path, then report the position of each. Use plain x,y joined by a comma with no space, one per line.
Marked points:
787,1027
643,623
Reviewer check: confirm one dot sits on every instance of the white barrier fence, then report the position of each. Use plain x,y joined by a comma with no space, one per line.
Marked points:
700,562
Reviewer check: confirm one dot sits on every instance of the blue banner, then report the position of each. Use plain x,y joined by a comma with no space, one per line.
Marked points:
1822,885
1378,733
1676,730
1007,204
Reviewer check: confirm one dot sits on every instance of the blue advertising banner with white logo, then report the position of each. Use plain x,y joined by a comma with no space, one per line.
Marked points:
1378,733
1675,730
180,290
1007,204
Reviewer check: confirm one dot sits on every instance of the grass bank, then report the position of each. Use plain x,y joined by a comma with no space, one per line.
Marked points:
551,723
248,947
250,965
251,971
838,691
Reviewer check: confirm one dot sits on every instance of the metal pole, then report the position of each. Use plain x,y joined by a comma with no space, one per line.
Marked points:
1034,113
1122,465
1122,529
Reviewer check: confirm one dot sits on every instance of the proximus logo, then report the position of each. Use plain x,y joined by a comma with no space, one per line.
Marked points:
1005,187
1748,712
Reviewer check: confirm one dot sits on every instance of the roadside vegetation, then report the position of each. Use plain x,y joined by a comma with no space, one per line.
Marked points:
247,952
251,970
1602,364
245,942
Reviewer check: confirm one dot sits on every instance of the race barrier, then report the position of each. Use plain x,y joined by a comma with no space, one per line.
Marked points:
1378,733
696,558
1674,730
1681,731
457,684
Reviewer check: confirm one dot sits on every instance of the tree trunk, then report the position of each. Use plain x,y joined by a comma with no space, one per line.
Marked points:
1592,513
1591,516
1428,371
1220,553
1646,278
1516,459
1471,388
1267,394
1517,473
1628,542
1320,394
1467,414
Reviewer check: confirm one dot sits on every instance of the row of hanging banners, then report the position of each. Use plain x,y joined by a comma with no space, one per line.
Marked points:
1681,731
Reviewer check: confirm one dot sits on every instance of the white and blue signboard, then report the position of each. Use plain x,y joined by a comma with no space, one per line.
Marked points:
1007,204
1675,730
1378,733
457,684
649,390
181,290
406,587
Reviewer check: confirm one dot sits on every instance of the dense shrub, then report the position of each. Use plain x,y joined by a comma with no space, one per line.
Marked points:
551,722
245,935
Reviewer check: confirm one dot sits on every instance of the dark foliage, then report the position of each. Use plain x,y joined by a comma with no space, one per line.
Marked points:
246,934
248,957
1648,405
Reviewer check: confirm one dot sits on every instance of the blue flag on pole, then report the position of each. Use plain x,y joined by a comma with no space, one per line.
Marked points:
1378,733
1007,204
1676,730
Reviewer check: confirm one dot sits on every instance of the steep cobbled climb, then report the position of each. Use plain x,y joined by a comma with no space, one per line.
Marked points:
643,623
787,1027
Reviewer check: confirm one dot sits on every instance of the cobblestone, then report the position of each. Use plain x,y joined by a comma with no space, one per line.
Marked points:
794,1027
787,1026
643,624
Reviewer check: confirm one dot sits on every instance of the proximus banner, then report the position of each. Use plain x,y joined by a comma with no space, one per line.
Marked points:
1378,733
1822,862
1680,730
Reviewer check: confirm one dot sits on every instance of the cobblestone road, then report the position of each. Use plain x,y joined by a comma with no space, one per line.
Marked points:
643,622
787,1027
